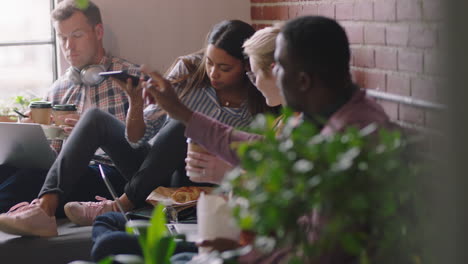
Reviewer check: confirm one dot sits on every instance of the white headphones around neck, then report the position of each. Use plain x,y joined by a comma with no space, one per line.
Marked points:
89,75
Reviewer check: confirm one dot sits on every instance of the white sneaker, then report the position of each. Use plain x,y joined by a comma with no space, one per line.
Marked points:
28,219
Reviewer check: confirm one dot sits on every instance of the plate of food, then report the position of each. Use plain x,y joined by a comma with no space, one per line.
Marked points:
183,196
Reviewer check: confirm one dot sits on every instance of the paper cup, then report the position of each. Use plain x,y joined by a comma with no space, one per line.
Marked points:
41,112
215,220
53,132
61,111
194,147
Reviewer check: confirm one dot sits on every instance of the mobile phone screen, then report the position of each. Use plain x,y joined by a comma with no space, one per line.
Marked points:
122,75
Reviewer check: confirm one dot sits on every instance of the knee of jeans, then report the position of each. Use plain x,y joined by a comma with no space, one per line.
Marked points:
102,247
114,243
109,217
93,115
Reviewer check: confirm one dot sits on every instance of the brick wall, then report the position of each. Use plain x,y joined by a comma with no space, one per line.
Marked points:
393,44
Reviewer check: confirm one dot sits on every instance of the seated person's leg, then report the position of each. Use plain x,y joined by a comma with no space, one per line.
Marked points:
109,237
166,156
91,185
94,130
6,171
20,185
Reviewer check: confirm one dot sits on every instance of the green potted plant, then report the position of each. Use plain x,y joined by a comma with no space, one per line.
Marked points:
156,243
6,112
18,103
357,181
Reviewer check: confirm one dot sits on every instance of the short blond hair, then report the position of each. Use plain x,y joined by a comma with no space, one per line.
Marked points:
261,47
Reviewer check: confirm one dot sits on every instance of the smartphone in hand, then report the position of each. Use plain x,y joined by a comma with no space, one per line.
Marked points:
123,75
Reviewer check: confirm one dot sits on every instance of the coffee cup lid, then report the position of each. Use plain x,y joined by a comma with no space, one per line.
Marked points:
40,104
65,107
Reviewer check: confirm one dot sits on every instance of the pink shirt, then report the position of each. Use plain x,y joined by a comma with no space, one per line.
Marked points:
359,111
217,138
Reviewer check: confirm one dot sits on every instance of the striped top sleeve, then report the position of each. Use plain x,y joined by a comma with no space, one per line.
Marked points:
201,99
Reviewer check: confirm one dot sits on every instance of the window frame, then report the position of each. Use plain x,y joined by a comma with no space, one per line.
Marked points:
52,42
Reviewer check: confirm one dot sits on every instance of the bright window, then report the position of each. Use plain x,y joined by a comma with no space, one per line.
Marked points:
27,48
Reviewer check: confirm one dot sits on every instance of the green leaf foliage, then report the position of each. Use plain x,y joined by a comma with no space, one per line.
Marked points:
157,245
107,260
357,180
82,4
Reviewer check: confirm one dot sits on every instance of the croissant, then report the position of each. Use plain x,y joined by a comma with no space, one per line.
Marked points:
186,194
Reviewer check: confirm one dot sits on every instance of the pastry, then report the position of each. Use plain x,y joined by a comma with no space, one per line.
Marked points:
186,194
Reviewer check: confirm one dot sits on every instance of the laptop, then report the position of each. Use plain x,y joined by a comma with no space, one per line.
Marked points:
24,145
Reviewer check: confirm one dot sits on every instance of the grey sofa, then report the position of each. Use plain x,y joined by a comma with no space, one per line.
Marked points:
73,243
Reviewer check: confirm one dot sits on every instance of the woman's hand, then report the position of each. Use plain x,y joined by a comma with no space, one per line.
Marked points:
209,168
135,124
135,94
163,93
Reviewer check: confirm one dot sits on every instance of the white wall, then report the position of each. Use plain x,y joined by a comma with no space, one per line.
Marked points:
155,32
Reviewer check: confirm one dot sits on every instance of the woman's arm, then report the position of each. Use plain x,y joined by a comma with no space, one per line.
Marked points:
215,136
135,124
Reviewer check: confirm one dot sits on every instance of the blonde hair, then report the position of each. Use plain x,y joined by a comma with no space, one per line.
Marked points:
261,47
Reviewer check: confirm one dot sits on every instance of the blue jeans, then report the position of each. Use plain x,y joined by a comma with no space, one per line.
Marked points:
109,238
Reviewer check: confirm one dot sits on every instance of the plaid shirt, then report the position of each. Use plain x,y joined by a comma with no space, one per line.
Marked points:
106,96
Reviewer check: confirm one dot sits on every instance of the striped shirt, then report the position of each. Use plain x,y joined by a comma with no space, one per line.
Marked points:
107,96
199,99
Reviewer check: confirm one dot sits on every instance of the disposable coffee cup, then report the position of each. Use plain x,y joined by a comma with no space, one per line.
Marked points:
59,111
52,132
215,220
41,112
194,147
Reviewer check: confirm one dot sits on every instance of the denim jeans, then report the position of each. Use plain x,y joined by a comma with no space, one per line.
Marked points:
109,238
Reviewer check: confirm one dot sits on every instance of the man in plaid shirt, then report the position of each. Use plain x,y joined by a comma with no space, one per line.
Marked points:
80,33
107,95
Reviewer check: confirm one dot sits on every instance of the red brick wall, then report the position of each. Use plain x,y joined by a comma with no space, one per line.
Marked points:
393,44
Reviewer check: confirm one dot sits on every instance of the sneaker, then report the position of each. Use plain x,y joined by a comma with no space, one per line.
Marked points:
84,213
28,219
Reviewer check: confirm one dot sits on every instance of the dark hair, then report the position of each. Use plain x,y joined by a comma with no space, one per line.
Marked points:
319,45
228,35
67,8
